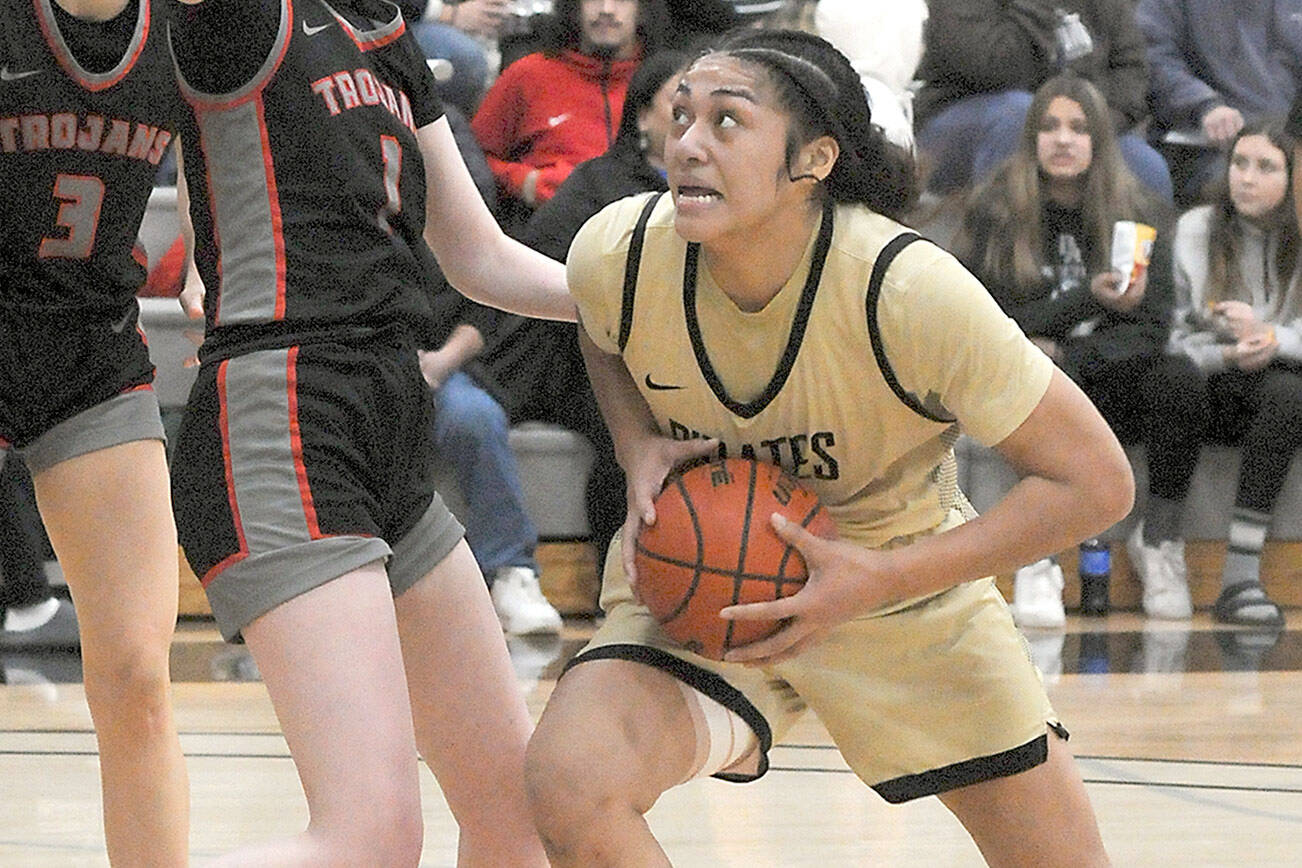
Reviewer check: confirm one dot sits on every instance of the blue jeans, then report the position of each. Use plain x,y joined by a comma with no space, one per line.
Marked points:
470,432
469,63
970,138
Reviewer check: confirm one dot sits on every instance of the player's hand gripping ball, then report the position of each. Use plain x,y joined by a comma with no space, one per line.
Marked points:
712,546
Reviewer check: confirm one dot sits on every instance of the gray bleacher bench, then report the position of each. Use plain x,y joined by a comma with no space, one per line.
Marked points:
985,477
554,463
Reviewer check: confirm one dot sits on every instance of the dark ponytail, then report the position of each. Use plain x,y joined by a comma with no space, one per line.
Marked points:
824,96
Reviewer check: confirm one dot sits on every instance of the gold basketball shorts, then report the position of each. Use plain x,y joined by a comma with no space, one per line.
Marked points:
937,695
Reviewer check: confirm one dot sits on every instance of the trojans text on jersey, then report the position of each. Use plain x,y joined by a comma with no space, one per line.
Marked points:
346,90
89,132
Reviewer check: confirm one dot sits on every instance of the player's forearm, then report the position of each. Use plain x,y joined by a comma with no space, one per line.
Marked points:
1076,482
627,416
478,259
512,277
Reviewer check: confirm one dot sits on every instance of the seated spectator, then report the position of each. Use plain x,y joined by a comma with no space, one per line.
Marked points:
457,31
883,41
551,110
1212,67
1039,234
633,164
1234,373
984,58
470,433
534,366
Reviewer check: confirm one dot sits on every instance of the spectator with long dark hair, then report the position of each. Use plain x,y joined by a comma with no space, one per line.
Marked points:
985,58
1039,235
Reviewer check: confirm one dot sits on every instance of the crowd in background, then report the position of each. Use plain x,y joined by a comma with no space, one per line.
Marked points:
1041,123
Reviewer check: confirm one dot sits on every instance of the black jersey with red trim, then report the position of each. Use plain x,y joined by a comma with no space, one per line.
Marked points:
79,152
306,182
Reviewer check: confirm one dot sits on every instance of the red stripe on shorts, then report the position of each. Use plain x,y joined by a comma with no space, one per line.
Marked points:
296,445
223,424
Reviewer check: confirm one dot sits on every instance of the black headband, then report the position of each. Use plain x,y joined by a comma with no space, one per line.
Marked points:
801,72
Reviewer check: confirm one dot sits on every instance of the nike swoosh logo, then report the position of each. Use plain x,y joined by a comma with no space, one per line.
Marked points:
313,31
659,387
557,120
6,75
126,318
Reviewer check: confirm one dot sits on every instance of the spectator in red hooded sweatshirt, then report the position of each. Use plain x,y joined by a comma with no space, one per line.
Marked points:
551,110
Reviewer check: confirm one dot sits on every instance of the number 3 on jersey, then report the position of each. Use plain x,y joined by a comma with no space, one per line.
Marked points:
80,198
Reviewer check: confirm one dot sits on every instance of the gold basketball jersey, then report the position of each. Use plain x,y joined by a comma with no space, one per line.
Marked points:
857,390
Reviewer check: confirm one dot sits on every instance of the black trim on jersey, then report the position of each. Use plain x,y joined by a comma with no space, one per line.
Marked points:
751,409
62,51
707,682
221,51
973,771
97,46
884,260
631,267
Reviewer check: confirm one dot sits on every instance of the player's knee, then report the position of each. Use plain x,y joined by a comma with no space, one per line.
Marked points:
565,799
128,689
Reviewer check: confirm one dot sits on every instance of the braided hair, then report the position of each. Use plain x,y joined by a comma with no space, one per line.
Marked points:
822,94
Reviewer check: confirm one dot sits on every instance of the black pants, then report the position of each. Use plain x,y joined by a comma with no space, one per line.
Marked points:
22,538
1260,412
1118,388
554,388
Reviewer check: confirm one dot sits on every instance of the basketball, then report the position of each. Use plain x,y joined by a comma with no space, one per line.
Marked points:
712,546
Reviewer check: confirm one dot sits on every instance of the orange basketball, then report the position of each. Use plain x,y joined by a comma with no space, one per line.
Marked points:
712,546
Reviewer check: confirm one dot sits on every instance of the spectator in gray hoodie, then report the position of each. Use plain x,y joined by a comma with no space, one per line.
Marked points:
1212,67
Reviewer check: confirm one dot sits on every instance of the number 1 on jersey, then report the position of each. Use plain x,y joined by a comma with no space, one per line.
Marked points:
391,152
81,197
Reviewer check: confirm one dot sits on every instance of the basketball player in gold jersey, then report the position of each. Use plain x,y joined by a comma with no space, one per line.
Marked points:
767,307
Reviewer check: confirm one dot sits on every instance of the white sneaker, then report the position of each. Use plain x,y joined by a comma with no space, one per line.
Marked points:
1046,654
531,655
1037,595
1164,574
520,604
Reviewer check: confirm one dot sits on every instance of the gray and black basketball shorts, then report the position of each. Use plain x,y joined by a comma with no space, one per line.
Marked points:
73,382
296,465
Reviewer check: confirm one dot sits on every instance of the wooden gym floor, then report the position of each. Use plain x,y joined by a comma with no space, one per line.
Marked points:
1189,737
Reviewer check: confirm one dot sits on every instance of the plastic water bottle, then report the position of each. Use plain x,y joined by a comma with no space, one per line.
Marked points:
1095,573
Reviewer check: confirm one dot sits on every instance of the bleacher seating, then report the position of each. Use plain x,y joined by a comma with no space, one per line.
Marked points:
554,463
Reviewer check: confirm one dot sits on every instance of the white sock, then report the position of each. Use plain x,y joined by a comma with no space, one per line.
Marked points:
20,618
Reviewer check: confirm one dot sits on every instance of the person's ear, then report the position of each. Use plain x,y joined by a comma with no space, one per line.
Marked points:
817,158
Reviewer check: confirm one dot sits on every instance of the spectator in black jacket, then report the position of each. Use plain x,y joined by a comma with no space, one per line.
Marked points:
984,58
1039,236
